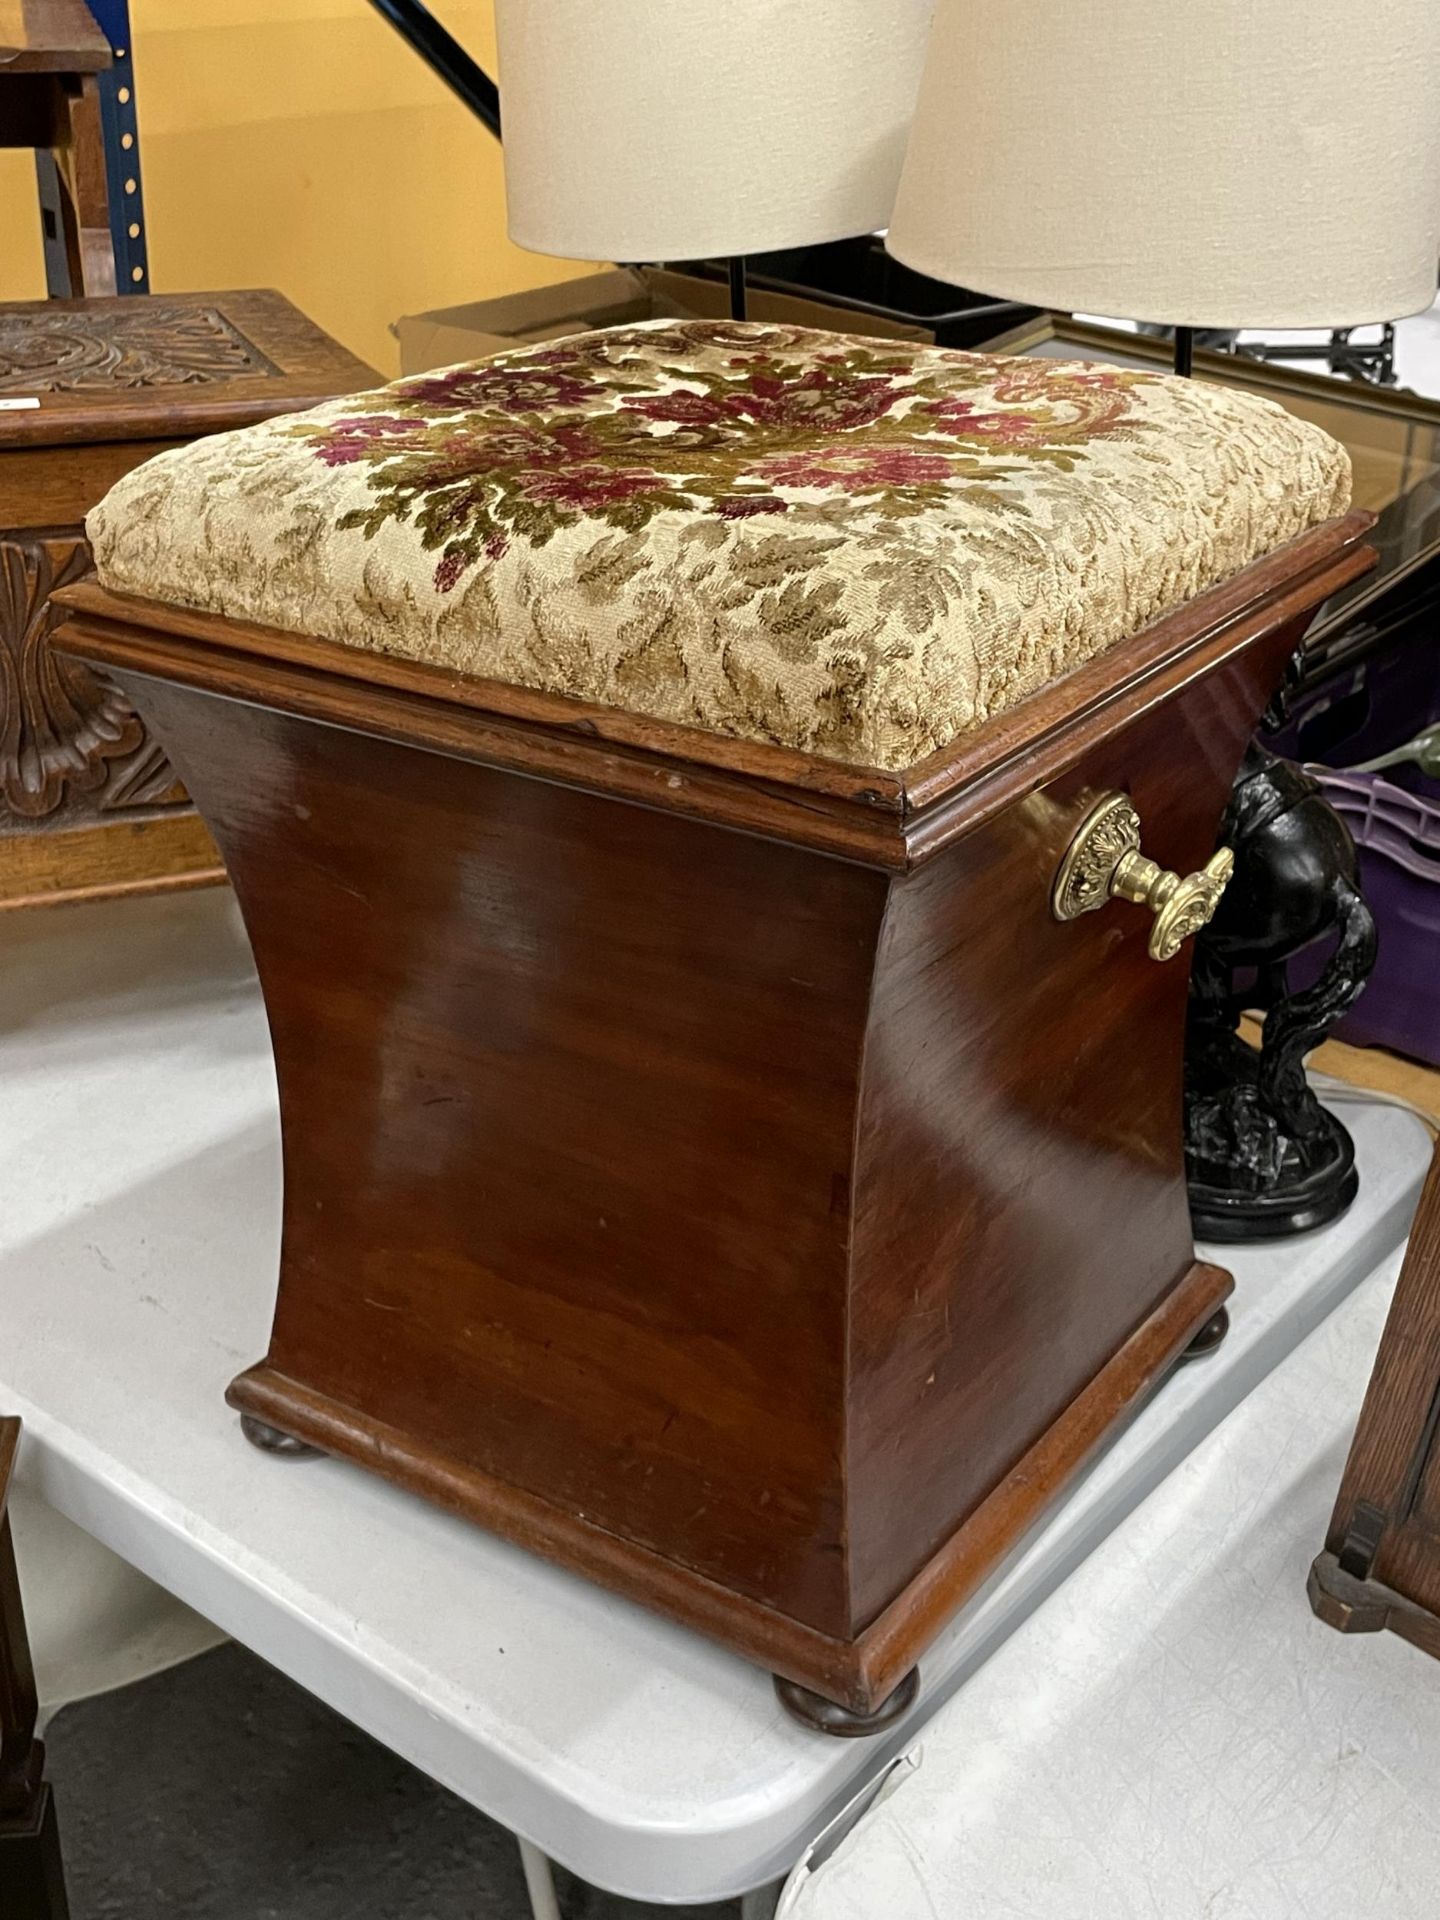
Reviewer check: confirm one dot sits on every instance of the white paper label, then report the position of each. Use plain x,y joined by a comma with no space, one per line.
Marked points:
18,406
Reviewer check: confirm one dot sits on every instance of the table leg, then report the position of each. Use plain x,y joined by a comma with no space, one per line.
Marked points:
761,1904
32,1884
32,1879
539,1882
79,154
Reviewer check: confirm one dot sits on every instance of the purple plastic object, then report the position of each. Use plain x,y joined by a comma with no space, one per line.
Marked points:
1380,703
1398,835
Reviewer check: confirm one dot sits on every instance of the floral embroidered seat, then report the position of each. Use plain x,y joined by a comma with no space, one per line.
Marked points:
856,548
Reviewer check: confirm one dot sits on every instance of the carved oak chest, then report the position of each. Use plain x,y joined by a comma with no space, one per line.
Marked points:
89,804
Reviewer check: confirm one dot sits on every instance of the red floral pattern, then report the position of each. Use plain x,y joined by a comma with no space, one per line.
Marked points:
624,425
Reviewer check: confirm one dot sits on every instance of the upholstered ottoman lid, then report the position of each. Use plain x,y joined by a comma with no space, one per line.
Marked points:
857,548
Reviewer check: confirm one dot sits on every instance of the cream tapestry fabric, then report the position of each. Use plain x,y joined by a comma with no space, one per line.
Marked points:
853,547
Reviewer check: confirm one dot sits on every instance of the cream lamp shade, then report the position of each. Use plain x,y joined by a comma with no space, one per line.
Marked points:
1199,163
667,129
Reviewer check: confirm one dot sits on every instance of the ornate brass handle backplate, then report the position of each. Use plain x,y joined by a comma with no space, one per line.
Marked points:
1104,862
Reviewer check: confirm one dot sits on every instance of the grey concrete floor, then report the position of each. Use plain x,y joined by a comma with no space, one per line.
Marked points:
220,1791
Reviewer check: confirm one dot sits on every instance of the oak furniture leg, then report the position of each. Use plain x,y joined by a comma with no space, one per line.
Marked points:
52,54
79,154
32,1883
1381,1564
1352,1604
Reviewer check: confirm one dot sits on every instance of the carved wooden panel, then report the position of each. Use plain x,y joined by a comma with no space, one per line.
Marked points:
89,805
70,743
150,343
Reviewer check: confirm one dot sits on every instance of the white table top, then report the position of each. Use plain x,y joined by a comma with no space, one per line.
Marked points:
137,1267
1173,1735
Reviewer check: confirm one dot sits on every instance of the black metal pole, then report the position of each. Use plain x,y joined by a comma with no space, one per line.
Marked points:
739,299
443,53
1184,350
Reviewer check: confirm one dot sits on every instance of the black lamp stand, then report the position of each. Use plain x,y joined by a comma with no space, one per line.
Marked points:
738,299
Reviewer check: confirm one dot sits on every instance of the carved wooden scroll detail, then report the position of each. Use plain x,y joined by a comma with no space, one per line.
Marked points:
68,739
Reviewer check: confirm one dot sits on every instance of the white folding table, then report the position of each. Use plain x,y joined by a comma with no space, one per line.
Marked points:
138,1244
1173,1733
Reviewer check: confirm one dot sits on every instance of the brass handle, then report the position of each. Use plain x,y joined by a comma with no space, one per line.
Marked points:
1104,861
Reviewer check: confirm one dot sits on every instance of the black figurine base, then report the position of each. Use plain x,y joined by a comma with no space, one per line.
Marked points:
1308,1194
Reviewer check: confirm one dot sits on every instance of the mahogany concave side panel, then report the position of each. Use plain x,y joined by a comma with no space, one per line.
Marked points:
563,1193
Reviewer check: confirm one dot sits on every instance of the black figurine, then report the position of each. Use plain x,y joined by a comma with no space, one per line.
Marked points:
1263,1157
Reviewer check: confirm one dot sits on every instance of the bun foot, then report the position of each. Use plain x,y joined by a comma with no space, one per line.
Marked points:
823,1716
271,1440
1209,1337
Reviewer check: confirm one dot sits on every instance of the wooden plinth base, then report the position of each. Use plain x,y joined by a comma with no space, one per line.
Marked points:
860,1675
1351,1605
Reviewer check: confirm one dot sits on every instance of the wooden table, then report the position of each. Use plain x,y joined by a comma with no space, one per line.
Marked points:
1173,1736
137,1270
1381,1564
50,53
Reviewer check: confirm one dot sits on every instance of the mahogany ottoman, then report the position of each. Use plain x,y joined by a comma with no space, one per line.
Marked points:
675,780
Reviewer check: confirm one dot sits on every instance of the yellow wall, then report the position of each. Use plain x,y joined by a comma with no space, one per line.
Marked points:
300,144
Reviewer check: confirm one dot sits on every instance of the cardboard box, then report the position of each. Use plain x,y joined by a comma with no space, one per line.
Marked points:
620,297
